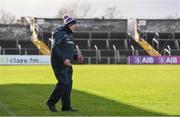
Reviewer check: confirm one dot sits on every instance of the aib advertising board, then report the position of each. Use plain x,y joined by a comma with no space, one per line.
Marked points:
154,60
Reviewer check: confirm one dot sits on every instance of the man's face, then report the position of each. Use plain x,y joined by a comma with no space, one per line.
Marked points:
73,27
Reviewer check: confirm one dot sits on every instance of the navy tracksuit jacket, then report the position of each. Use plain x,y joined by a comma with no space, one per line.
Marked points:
63,48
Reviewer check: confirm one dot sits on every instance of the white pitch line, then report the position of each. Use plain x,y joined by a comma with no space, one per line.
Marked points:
7,109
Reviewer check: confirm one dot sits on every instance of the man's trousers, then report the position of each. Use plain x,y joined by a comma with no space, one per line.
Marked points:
63,87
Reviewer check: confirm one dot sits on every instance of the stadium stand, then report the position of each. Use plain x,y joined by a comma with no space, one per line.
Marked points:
100,41
162,34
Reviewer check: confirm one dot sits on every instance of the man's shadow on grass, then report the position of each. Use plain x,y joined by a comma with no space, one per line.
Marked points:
30,99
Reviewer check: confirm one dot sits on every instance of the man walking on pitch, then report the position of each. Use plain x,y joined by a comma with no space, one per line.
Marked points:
61,57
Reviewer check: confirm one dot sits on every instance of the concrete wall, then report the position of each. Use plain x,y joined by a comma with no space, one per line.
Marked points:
160,25
11,32
112,25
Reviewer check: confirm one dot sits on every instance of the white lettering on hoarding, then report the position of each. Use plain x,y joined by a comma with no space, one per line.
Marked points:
147,60
25,59
155,60
171,60
34,60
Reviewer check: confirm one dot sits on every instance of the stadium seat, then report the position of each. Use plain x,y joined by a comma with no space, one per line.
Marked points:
164,43
82,44
118,35
104,60
101,44
81,35
119,44
12,51
8,43
107,53
89,53
125,53
122,60
177,36
164,35
142,53
175,52
150,36
99,35
33,51
26,44
135,45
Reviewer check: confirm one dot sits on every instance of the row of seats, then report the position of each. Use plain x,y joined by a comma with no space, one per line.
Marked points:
94,35
161,35
121,35
16,51
85,53
83,44
122,44
15,43
100,35
101,44
174,44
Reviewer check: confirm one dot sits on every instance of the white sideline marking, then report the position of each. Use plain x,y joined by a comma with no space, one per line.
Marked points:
7,109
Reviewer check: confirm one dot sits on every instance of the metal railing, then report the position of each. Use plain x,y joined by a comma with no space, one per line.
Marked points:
154,40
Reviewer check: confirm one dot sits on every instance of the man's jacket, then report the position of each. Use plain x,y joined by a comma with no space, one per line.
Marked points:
63,45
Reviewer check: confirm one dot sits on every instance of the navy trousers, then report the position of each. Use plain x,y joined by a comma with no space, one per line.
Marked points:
63,87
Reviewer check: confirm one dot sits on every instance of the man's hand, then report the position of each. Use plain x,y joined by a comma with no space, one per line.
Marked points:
80,58
67,63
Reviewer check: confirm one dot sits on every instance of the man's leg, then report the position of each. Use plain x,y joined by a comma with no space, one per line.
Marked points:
56,94
66,98
59,89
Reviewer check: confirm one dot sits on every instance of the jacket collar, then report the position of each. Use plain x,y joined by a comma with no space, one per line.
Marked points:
68,30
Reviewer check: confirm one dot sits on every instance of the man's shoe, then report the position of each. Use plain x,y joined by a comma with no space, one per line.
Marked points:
52,108
68,109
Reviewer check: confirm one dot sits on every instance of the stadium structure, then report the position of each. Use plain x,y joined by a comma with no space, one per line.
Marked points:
100,41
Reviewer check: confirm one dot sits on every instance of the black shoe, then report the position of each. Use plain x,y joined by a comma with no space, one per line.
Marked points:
68,109
52,108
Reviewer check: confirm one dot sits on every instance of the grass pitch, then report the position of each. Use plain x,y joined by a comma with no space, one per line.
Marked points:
97,90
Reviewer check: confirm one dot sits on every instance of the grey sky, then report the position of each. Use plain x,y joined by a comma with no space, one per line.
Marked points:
128,8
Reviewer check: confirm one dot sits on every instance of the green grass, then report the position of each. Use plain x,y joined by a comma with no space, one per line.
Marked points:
97,90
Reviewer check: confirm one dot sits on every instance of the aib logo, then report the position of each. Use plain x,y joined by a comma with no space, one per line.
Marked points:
3,60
